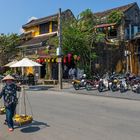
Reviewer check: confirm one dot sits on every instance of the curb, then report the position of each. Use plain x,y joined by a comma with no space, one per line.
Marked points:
130,96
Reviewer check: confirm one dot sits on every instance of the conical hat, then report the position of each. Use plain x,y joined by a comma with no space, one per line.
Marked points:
8,77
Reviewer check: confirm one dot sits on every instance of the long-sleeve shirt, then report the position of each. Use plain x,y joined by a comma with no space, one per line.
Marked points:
9,93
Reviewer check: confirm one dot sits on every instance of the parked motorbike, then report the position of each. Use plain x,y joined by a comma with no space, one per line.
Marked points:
104,84
115,84
77,83
136,85
123,85
94,83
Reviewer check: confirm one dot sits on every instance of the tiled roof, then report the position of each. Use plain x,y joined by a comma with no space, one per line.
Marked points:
121,8
46,19
37,40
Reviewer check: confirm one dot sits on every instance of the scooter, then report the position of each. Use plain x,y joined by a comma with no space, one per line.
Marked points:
104,84
123,85
94,83
115,84
79,83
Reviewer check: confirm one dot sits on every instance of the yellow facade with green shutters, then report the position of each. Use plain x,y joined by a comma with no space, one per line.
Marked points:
36,31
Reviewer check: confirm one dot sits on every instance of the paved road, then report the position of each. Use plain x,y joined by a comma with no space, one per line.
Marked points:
67,87
64,116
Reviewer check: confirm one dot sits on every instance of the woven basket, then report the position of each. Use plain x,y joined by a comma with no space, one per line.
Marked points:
2,110
22,119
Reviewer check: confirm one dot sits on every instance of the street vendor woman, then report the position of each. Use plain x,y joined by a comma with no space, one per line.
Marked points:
9,94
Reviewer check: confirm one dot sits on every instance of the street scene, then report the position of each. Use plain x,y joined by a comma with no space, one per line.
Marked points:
62,115
70,70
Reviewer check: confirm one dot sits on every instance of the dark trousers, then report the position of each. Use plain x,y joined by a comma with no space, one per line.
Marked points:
10,111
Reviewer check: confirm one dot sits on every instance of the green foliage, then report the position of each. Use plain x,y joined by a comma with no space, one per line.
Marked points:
8,72
93,56
115,17
78,37
86,20
100,37
8,44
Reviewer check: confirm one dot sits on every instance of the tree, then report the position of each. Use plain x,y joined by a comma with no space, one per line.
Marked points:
8,50
79,38
115,17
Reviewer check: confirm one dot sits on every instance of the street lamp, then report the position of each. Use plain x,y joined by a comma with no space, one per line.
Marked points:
59,50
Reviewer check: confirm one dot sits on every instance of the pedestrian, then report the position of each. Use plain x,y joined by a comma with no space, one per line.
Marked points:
9,94
73,73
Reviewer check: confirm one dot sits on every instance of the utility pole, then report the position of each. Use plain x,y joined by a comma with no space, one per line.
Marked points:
59,50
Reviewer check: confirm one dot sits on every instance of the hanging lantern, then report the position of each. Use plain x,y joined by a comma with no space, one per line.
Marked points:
75,57
40,60
109,28
48,60
56,60
45,60
69,57
112,27
64,60
37,60
52,60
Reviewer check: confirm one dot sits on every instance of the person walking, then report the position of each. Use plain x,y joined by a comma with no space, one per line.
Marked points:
9,94
73,73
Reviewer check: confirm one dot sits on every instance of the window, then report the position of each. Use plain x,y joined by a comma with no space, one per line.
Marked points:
54,26
135,30
44,28
112,33
132,31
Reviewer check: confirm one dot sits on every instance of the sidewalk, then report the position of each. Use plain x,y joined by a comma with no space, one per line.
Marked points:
68,88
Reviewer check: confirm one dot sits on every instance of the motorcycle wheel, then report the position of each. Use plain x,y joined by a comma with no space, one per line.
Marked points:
138,90
100,87
76,86
113,87
122,88
88,86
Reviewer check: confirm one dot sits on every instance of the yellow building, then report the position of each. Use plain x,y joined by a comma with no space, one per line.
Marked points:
35,42
133,55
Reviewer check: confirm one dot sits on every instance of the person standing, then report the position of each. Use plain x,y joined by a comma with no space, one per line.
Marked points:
9,94
73,73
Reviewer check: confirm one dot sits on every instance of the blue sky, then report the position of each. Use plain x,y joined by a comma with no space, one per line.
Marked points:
15,13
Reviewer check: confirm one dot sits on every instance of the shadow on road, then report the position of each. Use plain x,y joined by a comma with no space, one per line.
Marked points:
30,129
38,88
33,127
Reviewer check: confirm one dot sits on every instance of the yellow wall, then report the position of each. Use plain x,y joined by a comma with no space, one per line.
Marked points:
35,29
133,58
50,27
